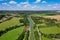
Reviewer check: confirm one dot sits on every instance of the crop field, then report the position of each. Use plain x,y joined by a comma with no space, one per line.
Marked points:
13,34
50,30
24,26
53,17
14,21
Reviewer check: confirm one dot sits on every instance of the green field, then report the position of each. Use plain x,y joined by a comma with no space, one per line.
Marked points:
13,34
50,30
10,23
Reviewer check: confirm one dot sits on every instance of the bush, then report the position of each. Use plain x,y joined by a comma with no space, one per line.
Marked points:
8,29
57,36
21,36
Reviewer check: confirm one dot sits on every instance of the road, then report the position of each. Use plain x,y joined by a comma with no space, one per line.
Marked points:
31,37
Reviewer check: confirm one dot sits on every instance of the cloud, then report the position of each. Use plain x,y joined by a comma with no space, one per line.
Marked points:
28,6
37,1
18,5
24,3
49,5
44,2
34,6
12,2
56,4
4,3
54,7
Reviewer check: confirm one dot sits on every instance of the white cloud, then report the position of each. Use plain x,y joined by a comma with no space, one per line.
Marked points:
4,3
18,5
54,7
34,6
37,1
56,4
27,6
44,2
12,2
49,5
24,3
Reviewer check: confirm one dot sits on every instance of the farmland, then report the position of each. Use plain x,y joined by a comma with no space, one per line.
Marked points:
50,30
29,25
14,21
13,34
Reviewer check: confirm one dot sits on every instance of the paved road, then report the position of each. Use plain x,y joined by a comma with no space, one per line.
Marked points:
31,37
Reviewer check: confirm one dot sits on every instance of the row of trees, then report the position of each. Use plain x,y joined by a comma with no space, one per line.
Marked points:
49,22
25,20
9,29
1,16
52,35
37,20
25,34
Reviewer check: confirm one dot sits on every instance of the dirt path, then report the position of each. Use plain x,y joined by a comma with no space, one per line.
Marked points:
39,34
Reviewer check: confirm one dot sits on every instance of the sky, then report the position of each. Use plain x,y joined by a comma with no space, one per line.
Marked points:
29,4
